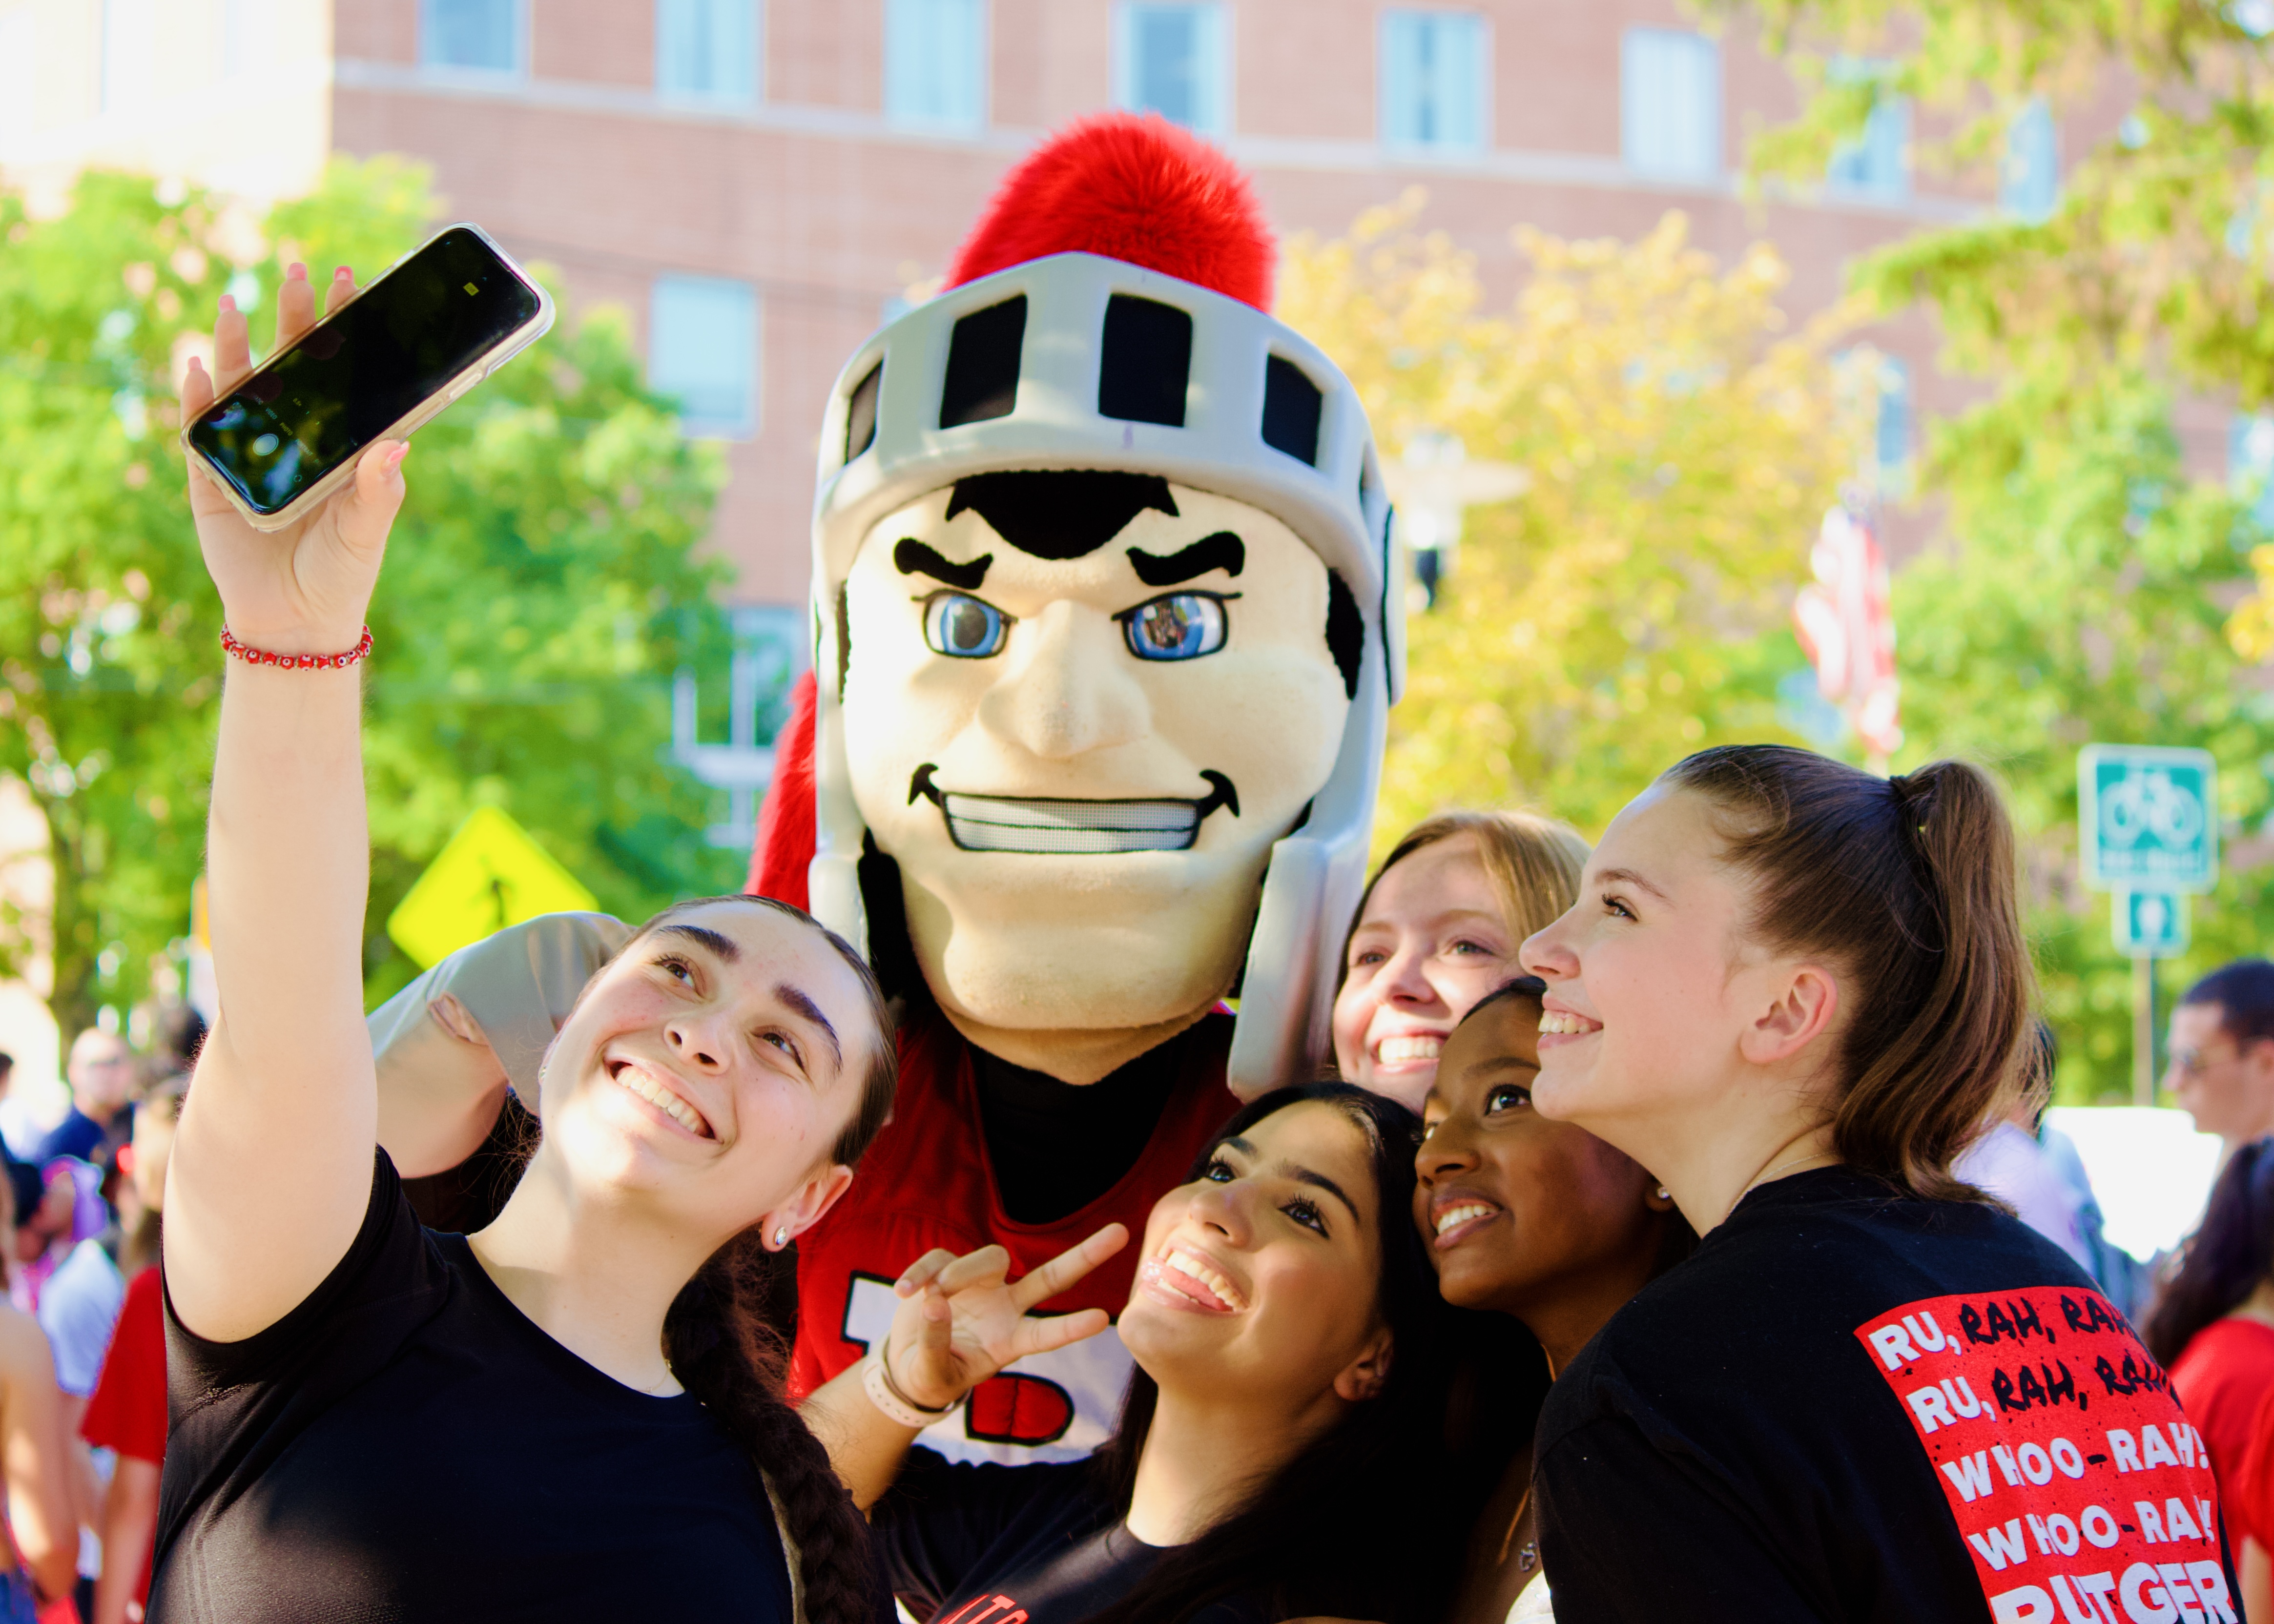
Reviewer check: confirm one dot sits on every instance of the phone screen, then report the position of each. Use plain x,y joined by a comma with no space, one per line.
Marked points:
348,379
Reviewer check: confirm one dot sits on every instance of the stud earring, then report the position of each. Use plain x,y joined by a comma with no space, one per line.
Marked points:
1664,1194
781,1236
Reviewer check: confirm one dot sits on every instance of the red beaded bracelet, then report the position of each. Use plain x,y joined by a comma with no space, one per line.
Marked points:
296,662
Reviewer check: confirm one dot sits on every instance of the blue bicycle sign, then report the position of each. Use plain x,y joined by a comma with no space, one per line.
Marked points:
2148,818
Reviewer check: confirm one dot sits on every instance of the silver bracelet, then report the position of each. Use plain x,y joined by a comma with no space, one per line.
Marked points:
886,1395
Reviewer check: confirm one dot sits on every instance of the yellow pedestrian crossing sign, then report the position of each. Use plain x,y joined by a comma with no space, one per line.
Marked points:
490,875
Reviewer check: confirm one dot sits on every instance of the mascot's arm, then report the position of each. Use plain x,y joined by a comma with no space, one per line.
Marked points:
960,1320
449,1045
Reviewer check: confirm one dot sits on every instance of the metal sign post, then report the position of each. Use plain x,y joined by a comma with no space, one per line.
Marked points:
2148,829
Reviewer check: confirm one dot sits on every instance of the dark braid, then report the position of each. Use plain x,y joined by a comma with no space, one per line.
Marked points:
725,1353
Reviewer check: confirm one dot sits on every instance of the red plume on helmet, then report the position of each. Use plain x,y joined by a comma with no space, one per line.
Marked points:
1132,188
786,831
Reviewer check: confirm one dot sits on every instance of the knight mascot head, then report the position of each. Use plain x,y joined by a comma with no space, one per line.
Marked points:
1106,630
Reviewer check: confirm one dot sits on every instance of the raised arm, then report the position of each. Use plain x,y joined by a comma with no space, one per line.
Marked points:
271,1168
960,1320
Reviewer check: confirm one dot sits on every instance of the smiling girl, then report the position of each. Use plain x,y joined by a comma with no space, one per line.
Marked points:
1536,1219
1289,1398
563,1416
1795,991
1437,929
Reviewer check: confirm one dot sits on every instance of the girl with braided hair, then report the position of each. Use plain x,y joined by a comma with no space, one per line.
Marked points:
575,1413
1795,991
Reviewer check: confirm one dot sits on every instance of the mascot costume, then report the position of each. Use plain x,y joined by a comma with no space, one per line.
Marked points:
1106,625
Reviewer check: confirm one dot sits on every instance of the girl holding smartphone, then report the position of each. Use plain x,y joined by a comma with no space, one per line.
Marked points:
565,1416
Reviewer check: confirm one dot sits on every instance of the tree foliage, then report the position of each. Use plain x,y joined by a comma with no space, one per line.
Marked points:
542,584
2089,589
1680,447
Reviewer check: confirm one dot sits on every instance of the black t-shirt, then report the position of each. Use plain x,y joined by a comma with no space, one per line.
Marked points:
1854,1405
406,1445
969,1544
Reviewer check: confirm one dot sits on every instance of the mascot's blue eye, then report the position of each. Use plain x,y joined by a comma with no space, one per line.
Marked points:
963,628
1182,626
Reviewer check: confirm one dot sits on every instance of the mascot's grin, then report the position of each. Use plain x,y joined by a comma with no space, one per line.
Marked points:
1062,827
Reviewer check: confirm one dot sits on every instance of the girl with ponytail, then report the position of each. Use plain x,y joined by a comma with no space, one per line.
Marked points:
1795,991
574,1414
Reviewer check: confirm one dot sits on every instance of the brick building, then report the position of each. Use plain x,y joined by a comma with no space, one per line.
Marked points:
761,181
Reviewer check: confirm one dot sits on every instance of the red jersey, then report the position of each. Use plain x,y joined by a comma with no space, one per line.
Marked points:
128,1410
927,1182
2219,1379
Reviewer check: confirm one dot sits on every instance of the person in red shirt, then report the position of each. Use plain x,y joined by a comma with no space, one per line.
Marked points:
127,1413
2212,1324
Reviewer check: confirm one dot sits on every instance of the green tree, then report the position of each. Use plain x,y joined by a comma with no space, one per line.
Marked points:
2088,589
542,586
1679,448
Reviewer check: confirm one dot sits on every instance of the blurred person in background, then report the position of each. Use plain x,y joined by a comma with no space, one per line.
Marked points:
1436,928
2212,1322
38,1538
2222,1045
127,1414
2034,1167
101,1073
77,1304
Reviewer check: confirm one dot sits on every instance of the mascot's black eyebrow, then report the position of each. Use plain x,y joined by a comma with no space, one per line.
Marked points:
911,557
1221,550
1060,515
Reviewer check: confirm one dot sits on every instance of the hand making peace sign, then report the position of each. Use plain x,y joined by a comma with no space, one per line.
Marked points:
962,1319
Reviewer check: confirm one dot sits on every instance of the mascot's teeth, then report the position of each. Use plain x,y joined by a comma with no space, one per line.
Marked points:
1070,828
1555,1021
1453,1215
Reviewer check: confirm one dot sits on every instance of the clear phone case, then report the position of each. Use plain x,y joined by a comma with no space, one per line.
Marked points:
506,348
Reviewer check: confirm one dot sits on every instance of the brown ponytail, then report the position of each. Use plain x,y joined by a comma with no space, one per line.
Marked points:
1908,885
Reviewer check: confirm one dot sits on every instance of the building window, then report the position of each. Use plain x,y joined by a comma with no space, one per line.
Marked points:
702,351
1169,60
936,63
1891,430
2250,463
484,35
1877,162
2029,180
707,48
1433,79
1670,103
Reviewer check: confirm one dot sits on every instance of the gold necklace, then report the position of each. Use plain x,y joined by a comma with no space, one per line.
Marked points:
1826,1156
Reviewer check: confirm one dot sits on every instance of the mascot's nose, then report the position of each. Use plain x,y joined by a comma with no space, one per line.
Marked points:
1072,691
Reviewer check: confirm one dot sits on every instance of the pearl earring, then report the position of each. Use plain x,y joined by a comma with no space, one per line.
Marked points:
1663,1194
781,1234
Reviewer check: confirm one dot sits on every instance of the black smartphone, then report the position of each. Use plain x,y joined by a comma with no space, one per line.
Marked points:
423,333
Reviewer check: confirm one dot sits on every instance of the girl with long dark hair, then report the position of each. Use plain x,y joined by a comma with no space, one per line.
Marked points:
1282,1448
567,1415
1795,991
2212,1324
